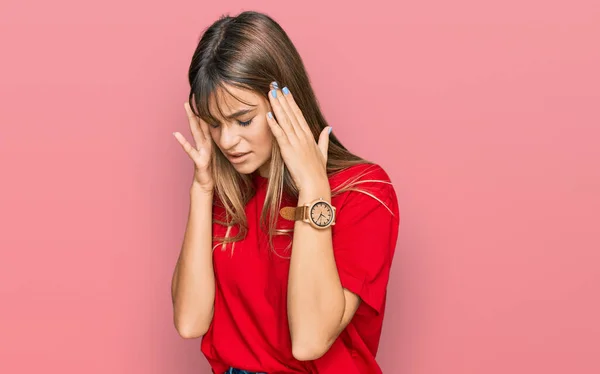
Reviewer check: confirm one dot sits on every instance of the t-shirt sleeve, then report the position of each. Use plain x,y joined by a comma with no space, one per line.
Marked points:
364,239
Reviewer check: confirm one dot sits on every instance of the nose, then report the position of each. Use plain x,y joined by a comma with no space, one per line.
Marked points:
229,137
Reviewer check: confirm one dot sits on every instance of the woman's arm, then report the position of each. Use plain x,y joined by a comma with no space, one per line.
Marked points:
193,283
318,307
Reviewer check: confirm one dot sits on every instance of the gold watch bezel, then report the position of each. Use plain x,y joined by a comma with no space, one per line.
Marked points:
303,213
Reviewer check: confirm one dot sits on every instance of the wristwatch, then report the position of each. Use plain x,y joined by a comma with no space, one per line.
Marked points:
319,213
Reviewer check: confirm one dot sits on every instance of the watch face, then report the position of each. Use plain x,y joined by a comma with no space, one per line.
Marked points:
321,214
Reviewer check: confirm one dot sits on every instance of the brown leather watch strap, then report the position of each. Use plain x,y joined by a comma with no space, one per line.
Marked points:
292,213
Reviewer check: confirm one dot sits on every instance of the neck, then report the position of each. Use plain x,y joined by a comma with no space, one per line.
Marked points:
263,171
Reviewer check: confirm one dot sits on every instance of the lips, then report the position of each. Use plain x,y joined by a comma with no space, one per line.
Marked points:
238,154
238,158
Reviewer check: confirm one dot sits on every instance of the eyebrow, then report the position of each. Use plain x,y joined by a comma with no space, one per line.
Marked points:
239,113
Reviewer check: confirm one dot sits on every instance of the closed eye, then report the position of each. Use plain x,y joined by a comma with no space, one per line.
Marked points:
243,124
246,123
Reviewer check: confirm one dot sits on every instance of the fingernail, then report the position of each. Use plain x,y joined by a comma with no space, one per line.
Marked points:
331,128
274,93
270,115
275,85
285,90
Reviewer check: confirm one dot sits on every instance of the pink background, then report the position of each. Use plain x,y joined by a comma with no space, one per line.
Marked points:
486,117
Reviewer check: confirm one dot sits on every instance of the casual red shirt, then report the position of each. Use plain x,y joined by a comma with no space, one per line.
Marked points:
249,329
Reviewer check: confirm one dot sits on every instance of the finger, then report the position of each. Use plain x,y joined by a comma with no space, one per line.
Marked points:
204,127
295,109
324,142
282,118
277,131
281,98
188,148
197,133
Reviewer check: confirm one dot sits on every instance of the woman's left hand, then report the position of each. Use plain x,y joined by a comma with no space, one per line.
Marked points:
305,159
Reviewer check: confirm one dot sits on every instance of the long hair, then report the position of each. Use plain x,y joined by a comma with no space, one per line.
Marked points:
250,51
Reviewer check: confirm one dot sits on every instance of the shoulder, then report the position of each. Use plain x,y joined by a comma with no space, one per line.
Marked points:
368,176
363,186
360,171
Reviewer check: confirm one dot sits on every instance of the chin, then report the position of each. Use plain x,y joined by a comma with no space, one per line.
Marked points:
245,168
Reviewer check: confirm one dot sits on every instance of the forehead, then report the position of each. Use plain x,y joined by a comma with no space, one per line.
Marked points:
232,99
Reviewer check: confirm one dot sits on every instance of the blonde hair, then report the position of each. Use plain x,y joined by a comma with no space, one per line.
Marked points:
249,51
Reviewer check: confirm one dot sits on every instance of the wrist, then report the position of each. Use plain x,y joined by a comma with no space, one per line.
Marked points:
196,189
314,191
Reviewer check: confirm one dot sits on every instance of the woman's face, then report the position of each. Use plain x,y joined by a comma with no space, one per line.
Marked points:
243,130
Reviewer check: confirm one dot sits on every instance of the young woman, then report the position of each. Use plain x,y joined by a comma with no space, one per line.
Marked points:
290,237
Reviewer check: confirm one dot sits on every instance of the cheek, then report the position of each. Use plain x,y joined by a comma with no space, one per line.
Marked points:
263,136
214,134
215,139
267,140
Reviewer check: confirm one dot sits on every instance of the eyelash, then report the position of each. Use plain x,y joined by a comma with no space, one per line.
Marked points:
243,124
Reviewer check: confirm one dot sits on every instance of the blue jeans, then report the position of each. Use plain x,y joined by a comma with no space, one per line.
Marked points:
240,371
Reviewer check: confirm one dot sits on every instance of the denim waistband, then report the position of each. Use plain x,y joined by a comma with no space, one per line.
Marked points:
240,371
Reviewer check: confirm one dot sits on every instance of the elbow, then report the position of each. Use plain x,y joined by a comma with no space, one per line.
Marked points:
190,332
308,351
310,342
189,329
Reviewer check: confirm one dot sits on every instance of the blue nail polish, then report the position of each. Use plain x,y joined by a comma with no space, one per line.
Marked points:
331,128
286,90
270,115
275,85
274,93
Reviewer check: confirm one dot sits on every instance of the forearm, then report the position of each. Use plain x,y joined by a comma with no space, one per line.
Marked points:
315,295
193,283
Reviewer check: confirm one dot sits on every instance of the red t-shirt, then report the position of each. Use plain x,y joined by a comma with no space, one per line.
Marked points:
249,329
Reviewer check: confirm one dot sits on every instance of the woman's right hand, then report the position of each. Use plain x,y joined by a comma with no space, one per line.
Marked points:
202,153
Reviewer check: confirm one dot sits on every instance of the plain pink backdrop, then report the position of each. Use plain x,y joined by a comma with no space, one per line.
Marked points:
486,116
